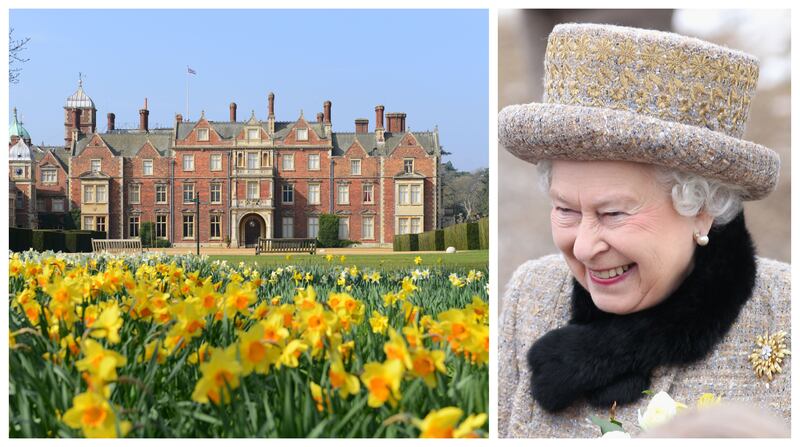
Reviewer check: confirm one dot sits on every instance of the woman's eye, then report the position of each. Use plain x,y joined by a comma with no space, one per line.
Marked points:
565,210
614,214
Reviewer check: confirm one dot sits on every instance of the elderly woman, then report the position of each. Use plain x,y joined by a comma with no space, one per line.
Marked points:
638,144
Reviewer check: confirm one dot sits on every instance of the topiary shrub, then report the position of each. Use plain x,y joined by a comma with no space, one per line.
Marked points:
147,234
43,240
483,232
78,241
463,236
432,240
328,236
405,242
19,239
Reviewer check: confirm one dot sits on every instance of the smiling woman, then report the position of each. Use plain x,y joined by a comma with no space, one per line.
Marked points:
657,286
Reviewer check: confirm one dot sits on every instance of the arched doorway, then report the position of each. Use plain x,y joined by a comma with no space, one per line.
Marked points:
252,227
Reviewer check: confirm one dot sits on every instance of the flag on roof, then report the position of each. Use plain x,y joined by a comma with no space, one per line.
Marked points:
191,71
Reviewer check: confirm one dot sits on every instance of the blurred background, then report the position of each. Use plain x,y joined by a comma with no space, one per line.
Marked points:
524,212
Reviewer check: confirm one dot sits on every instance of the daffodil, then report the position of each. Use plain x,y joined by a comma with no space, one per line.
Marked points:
382,380
425,364
439,423
93,415
379,323
341,380
220,374
108,324
99,362
396,349
418,260
291,353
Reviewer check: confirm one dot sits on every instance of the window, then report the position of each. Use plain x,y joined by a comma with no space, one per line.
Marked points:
240,159
96,165
88,194
403,196
288,226
368,227
252,160
252,191
416,196
88,222
20,200
313,227
188,226
343,195
40,205
100,223
408,165
161,193
287,162
410,225
253,134
188,162
49,176
188,192
161,225
302,134
147,167
100,194
134,195
216,226
133,226
344,228
368,196
313,193
216,193
355,167
313,162
288,193
216,162
415,225
57,205
266,159
202,134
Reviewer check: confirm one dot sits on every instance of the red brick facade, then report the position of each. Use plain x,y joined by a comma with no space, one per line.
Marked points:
254,178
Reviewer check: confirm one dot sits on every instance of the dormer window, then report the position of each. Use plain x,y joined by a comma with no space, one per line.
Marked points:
408,165
202,134
49,176
302,134
253,134
96,165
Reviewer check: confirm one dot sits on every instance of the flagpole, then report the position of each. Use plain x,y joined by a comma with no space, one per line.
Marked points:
187,93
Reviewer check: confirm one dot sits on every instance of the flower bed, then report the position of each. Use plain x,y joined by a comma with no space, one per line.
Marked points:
177,346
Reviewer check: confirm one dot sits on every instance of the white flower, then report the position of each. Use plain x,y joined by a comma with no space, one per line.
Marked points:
661,409
616,434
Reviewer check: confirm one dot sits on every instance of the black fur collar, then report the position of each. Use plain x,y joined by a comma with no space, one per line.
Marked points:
606,358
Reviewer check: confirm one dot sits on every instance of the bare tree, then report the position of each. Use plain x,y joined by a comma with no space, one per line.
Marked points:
15,48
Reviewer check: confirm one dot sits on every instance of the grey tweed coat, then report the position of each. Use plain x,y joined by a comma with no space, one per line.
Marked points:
537,300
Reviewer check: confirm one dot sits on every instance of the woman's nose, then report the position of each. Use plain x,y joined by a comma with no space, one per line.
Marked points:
588,242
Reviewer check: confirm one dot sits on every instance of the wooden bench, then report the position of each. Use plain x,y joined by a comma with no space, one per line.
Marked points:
117,245
288,245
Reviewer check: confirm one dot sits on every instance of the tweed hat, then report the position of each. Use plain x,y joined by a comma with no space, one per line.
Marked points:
628,94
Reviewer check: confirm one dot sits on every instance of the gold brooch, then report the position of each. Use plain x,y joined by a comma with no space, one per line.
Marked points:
768,354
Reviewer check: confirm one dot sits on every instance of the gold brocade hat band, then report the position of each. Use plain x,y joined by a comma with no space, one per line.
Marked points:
616,93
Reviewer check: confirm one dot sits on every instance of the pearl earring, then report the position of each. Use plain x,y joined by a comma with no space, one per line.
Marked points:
702,240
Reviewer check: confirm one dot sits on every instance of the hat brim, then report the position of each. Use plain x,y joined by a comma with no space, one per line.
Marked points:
537,131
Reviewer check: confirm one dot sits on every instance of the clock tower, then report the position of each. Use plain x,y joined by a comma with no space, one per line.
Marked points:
22,181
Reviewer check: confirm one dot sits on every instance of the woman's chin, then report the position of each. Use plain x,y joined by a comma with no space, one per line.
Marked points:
619,305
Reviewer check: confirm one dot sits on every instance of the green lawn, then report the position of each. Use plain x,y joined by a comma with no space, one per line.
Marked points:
473,259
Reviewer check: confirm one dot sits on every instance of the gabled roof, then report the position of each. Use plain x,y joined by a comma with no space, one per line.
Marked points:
59,153
282,128
93,175
226,130
128,144
343,140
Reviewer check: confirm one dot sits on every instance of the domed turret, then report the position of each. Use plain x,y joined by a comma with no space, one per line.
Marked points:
80,114
17,132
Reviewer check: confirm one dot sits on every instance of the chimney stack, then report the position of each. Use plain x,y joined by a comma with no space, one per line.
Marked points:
379,123
143,115
179,118
362,125
319,117
271,113
326,118
233,112
271,108
111,117
396,122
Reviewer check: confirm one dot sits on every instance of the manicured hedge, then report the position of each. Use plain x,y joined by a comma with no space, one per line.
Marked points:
431,240
19,239
406,242
78,241
483,231
99,235
463,236
43,240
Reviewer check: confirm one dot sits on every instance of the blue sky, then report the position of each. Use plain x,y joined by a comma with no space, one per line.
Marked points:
432,65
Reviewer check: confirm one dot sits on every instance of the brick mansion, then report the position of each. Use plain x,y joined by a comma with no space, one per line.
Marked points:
257,177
